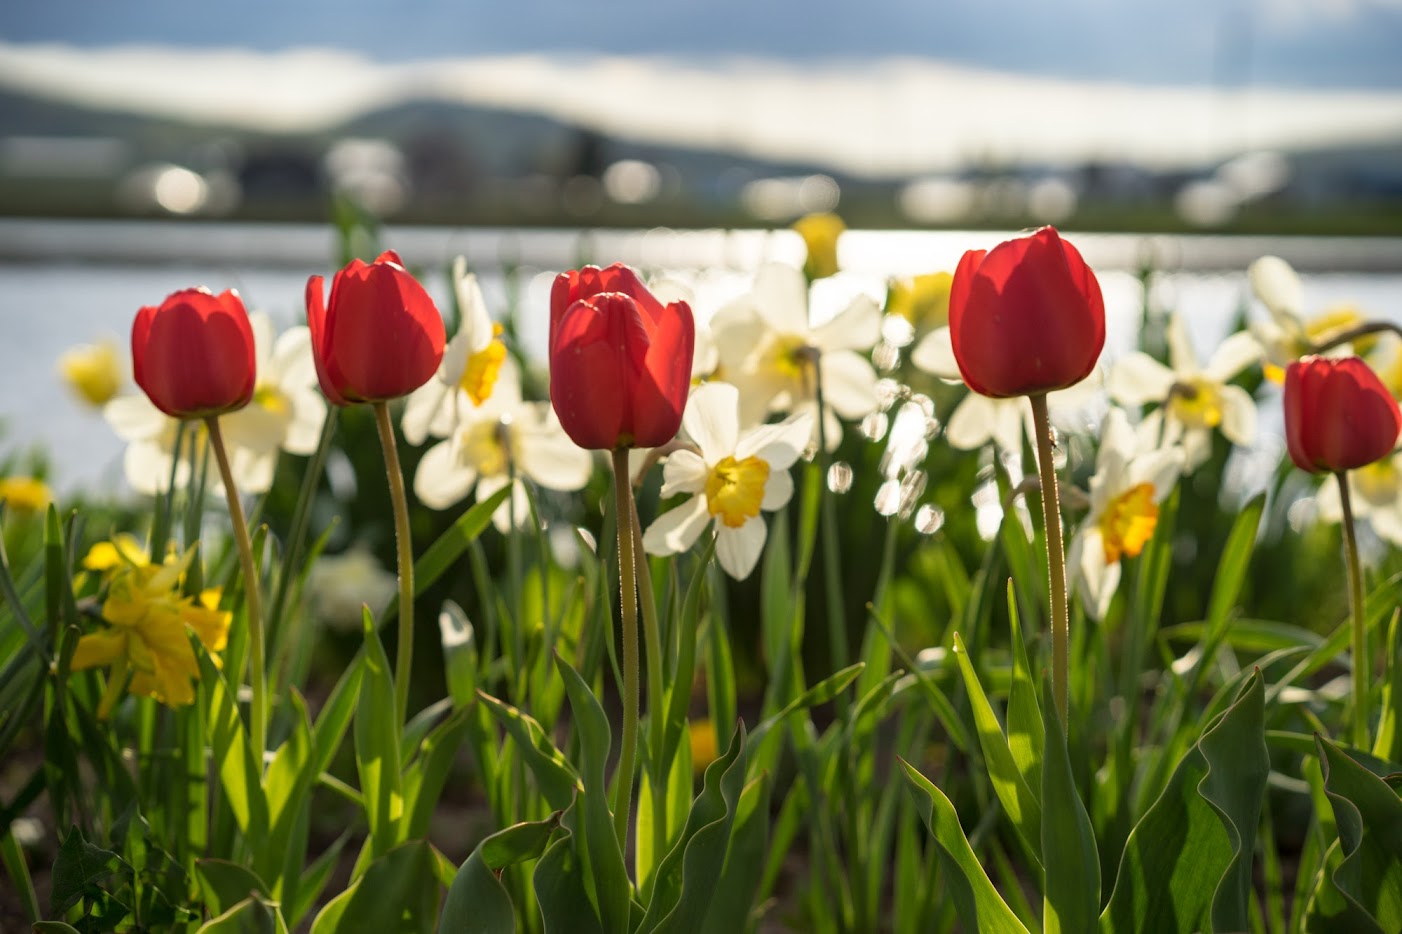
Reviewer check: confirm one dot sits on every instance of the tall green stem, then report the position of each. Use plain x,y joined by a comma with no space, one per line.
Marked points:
657,710
628,605
252,597
832,558
1056,556
1362,666
404,658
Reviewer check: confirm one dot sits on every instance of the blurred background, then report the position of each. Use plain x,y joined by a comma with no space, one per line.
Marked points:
1269,115
151,145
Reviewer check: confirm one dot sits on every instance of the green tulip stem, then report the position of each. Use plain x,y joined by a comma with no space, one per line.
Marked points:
657,717
1361,661
252,599
404,657
1056,556
628,606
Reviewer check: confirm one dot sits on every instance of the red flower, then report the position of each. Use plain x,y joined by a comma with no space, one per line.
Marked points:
1338,414
620,361
1025,317
379,337
193,356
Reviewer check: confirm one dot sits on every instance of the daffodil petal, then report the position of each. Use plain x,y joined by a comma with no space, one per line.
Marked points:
1277,285
712,420
856,327
98,649
441,479
1139,379
849,384
738,550
677,529
778,490
684,472
1233,355
1238,416
935,354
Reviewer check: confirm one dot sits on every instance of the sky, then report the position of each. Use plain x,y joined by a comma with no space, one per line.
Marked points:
1275,43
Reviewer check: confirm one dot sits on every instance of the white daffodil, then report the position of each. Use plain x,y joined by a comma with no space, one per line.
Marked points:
768,349
475,361
1130,480
732,475
1193,399
979,419
1287,335
491,439
1375,493
286,413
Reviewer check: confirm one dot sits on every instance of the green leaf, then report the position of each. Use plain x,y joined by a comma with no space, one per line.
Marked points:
1226,586
313,881
78,871
223,884
1368,813
449,548
554,774
980,906
820,693
1071,895
459,653
253,915
377,747
560,883
601,852
399,892
240,773
428,773
335,716
685,881
477,901
286,786
1388,742
735,892
1007,779
1187,863
1025,740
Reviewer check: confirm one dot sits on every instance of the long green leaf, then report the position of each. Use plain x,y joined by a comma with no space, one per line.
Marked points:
1071,896
554,774
1187,863
980,906
735,892
1368,813
377,747
399,892
449,547
477,901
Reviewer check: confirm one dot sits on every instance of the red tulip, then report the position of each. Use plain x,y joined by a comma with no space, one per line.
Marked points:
1338,414
379,337
1026,317
620,361
193,355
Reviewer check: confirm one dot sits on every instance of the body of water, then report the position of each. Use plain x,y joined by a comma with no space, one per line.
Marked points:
72,282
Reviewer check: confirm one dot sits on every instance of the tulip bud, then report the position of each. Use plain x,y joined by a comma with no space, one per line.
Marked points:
620,361
1338,414
1026,317
193,355
378,337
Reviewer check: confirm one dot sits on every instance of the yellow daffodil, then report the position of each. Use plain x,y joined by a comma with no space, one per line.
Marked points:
1286,335
922,300
93,371
149,622
26,495
733,476
820,233
1375,492
1194,399
1132,476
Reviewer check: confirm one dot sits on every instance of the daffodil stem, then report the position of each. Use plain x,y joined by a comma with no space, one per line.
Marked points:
1056,557
628,607
1362,666
832,559
404,657
252,595
657,711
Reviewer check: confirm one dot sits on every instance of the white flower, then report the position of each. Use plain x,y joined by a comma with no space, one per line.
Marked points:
768,349
1375,493
1131,479
733,478
1287,334
491,438
979,419
338,586
475,361
286,413
1195,399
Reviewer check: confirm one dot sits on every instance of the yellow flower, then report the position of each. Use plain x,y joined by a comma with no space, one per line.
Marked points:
922,300
702,734
94,371
820,233
149,624
25,494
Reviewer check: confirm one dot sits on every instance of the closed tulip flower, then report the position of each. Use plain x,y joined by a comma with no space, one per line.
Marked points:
193,354
1025,317
620,360
1338,414
378,337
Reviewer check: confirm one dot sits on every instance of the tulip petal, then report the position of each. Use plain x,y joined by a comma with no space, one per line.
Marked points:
597,350
662,387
